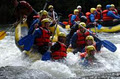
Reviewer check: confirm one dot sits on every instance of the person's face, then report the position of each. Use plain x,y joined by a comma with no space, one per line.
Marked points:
47,24
79,9
92,53
62,39
51,9
89,42
94,12
44,16
76,13
112,8
82,30
98,8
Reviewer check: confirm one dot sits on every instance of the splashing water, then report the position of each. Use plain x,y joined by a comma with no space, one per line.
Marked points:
106,60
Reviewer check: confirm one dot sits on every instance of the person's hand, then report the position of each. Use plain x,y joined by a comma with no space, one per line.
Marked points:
50,44
36,25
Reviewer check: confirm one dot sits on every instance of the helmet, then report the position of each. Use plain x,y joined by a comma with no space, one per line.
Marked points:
62,34
112,5
76,10
79,7
45,21
50,6
92,10
90,48
99,6
83,19
89,38
83,24
43,12
108,6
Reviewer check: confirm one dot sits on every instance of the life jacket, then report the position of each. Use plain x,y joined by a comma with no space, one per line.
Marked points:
99,14
44,39
81,38
88,17
76,19
83,55
60,53
115,11
105,17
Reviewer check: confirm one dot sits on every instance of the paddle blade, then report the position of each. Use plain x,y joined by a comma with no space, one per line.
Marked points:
46,56
2,35
110,46
28,43
99,26
22,40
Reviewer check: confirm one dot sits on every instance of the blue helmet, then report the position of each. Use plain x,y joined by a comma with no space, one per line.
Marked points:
108,6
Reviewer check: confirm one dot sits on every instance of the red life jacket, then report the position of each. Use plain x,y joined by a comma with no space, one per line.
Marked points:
115,11
76,19
60,53
88,17
105,17
99,14
81,38
83,55
44,38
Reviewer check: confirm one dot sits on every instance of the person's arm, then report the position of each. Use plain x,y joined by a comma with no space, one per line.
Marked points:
32,26
73,40
111,14
92,18
37,33
73,19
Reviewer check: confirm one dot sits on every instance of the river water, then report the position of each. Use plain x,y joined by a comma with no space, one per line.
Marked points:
14,65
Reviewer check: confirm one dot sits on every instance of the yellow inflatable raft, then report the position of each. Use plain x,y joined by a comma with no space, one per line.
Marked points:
22,30
107,29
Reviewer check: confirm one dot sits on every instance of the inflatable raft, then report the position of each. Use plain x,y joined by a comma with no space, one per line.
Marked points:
22,30
111,29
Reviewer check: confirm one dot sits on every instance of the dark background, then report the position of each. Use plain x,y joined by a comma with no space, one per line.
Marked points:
62,7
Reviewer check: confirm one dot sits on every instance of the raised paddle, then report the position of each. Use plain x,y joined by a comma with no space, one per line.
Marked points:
107,44
3,33
28,40
47,55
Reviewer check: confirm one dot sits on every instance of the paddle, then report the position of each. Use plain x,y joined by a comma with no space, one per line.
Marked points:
28,40
3,33
47,55
107,44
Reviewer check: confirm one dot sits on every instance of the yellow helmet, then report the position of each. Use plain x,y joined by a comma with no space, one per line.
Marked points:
76,10
89,37
83,24
43,12
112,5
99,6
92,10
62,34
90,48
50,6
45,20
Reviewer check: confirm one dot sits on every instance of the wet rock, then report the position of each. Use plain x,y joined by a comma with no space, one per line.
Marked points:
19,72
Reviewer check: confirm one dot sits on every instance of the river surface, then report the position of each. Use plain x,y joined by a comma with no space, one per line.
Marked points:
14,65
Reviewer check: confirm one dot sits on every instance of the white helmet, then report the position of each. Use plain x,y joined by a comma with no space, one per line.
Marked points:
79,7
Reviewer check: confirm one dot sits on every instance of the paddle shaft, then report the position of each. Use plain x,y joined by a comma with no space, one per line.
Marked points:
54,30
